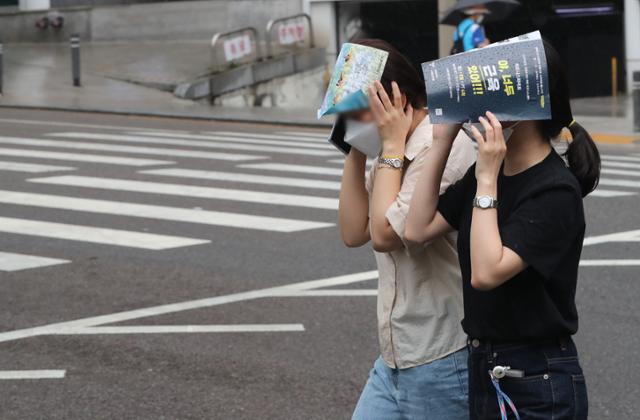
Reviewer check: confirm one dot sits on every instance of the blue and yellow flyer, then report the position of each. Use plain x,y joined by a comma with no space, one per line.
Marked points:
357,68
508,78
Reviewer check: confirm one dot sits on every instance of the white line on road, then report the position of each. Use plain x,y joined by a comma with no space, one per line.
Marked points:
628,236
246,196
128,149
610,163
280,167
50,123
623,158
94,234
619,182
181,329
610,193
15,262
248,178
225,145
185,306
329,292
321,135
609,263
74,157
248,138
608,171
33,168
32,374
176,214
290,137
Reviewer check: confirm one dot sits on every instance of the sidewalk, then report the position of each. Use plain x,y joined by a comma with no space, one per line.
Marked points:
116,79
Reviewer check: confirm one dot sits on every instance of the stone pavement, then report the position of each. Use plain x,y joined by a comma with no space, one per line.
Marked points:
137,77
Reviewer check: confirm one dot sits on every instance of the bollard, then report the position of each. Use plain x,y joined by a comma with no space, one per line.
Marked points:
1,68
635,92
75,59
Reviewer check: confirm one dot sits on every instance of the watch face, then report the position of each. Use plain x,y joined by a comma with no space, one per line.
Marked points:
484,202
396,163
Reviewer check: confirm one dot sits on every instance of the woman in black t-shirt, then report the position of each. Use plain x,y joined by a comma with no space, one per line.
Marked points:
519,258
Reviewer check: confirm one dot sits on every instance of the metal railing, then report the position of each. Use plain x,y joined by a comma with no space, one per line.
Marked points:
236,48
280,21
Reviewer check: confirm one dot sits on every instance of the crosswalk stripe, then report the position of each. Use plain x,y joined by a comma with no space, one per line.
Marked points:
610,163
305,133
619,172
290,138
248,178
620,182
127,149
280,167
50,123
33,168
32,374
74,157
226,145
249,139
14,262
192,191
177,214
624,158
94,234
610,193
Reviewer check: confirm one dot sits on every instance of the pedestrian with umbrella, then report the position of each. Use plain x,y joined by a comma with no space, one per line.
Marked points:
469,17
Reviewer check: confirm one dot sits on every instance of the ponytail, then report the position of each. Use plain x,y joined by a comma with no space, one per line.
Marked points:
583,158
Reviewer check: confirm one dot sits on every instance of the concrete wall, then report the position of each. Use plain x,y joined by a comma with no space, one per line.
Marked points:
632,39
149,21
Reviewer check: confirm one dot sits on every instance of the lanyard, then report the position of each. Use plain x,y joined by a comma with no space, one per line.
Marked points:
502,398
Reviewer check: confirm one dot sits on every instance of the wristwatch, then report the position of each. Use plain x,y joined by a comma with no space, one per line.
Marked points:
485,202
395,163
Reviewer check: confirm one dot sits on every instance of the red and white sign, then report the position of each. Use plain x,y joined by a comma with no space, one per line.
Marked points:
292,32
237,47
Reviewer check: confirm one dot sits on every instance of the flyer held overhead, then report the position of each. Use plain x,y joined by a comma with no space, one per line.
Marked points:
508,78
357,68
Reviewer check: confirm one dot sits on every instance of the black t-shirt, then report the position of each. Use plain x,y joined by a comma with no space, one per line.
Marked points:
541,218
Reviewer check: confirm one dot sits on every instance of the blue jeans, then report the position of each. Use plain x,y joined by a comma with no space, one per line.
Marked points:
435,390
553,385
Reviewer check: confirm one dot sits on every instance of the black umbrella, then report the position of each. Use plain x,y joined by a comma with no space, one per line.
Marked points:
498,10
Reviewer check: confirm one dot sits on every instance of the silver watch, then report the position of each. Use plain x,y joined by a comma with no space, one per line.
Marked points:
485,202
395,163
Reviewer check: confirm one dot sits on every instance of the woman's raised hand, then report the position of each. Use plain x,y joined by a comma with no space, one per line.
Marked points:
492,149
393,120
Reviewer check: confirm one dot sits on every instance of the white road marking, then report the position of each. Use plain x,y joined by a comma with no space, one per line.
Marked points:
282,167
613,164
177,214
625,172
74,157
623,158
329,292
610,263
306,133
128,149
33,168
226,145
248,178
185,306
247,196
173,329
49,123
32,374
628,236
610,193
94,234
249,138
292,138
619,182
15,262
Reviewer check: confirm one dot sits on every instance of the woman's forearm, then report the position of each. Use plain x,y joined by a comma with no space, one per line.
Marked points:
353,210
422,224
386,187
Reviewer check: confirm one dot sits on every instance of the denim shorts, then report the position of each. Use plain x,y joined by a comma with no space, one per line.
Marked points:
552,385
432,391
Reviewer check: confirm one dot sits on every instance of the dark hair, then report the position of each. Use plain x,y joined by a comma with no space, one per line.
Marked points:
582,154
400,70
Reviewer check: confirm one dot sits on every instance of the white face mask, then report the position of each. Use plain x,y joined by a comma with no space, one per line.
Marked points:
506,132
364,137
